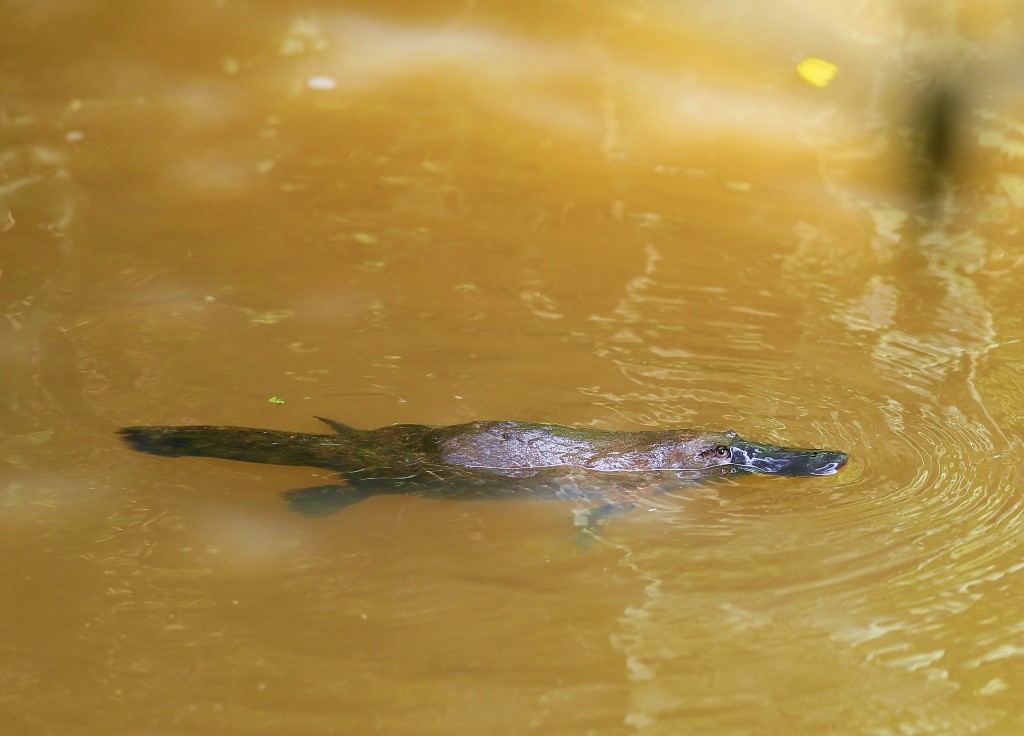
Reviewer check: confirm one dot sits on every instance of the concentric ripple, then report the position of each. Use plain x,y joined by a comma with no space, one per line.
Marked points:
898,565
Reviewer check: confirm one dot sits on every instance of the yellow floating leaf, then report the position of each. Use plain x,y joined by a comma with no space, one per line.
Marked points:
817,71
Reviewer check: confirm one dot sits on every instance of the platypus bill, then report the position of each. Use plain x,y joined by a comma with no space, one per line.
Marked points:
488,459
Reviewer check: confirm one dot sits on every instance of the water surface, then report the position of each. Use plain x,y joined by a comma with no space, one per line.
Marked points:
618,215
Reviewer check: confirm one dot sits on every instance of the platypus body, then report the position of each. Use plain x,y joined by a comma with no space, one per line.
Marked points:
488,459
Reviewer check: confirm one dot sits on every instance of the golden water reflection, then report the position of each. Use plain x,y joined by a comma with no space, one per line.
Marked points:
622,215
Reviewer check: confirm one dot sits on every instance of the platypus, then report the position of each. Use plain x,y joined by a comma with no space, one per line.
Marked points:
488,459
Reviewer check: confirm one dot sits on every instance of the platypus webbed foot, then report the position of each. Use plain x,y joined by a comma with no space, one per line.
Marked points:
323,500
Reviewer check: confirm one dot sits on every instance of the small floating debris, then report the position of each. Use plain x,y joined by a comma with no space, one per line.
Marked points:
322,82
271,317
275,400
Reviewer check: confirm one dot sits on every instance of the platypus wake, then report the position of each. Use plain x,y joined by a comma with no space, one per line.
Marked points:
488,459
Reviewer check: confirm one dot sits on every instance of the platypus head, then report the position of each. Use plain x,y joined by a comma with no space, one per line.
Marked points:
783,460
704,451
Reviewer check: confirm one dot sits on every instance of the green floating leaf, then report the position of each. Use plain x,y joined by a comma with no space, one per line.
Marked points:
270,318
275,400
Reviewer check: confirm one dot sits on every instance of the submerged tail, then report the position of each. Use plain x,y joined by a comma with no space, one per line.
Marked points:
238,443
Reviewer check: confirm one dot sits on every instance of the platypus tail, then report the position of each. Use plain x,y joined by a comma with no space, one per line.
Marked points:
238,443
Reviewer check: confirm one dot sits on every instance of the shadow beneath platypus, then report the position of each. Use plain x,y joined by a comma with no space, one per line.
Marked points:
611,471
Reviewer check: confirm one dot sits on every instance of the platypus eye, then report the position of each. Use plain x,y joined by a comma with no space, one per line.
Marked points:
723,451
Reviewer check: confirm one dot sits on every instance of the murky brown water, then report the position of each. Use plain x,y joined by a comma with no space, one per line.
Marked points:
621,215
